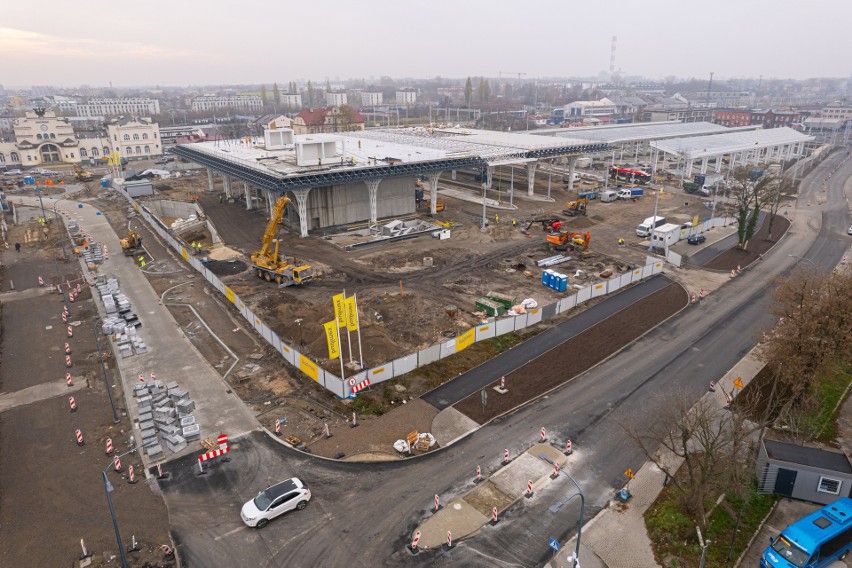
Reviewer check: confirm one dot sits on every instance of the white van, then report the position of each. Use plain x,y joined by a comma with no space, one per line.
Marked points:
644,228
608,196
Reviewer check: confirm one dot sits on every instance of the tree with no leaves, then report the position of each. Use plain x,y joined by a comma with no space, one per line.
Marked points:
748,195
775,191
468,92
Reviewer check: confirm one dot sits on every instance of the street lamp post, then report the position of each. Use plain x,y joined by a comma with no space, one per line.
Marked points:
556,507
654,220
108,489
115,417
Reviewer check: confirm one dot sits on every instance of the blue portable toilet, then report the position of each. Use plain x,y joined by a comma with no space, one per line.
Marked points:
545,277
29,180
563,282
104,182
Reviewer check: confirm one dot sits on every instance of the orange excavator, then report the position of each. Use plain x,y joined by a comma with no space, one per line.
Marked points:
564,240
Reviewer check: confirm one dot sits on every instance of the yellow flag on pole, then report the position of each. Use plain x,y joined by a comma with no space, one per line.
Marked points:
331,339
339,310
351,314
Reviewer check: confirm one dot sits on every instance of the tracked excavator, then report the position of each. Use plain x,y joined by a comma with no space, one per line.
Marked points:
563,240
267,263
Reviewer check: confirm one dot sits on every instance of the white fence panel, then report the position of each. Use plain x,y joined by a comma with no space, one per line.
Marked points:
352,381
657,267
428,355
647,271
448,348
566,304
266,333
673,258
533,316
379,374
404,364
613,284
276,342
333,383
598,289
636,275
584,295
505,325
486,331
288,353
520,321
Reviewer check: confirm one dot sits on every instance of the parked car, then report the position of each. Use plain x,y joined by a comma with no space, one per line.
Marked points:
14,172
849,232
274,501
696,239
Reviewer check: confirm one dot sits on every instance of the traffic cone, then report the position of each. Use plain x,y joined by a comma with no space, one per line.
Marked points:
68,379
109,448
739,269
68,360
692,299
40,281
701,294
72,404
733,273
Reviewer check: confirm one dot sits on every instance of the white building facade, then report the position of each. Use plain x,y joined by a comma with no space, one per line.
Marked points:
371,99
335,98
603,107
118,107
236,102
406,97
135,137
291,101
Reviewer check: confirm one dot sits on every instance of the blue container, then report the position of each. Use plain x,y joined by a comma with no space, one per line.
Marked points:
104,183
562,282
29,180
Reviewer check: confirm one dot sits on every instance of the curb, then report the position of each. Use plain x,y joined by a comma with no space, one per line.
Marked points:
754,536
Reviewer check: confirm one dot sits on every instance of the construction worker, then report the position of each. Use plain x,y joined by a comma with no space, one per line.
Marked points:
514,223
621,242
17,247
496,219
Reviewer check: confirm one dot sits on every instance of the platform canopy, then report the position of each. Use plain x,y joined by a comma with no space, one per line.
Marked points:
639,132
716,145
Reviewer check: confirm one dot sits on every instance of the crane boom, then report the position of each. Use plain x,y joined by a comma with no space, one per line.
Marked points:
272,226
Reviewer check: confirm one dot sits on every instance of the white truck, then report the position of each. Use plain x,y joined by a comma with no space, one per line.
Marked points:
644,228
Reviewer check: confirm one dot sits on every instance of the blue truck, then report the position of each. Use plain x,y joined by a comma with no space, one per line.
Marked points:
589,194
630,192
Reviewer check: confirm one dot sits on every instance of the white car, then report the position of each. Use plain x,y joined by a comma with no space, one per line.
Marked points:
849,231
274,501
14,172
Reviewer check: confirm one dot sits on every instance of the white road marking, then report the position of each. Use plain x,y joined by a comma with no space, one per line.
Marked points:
229,533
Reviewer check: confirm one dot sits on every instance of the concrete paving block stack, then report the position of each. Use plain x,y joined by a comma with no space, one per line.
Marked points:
165,417
121,322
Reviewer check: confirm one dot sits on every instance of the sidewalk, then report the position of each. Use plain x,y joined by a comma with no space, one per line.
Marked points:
170,354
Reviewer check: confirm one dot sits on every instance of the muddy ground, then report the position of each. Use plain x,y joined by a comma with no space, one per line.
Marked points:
759,244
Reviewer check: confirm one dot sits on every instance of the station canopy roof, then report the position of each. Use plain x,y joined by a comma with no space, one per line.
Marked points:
696,147
636,132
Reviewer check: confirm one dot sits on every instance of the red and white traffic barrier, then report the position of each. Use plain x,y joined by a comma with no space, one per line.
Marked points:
692,299
437,503
277,427
325,430
415,541
40,281
503,383
844,260
131,475
739,269
701,294
71,297
478,474
68,360
68,380
733,273
214,454
64,318
222,440
543,436
361,386
70,331
167,550
79,435
153,377
109,448
67,349
116,464
494,515
568,450
141,378
354,420
529,489
449,539
555,473
505,456
712,386
72,404
160,474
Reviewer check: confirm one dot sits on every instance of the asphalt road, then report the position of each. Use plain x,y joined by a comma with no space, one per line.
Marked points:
362,515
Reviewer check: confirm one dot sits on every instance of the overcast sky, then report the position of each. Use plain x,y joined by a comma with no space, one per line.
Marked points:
194,42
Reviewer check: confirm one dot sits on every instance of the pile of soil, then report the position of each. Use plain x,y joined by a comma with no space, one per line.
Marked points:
758,245
226,267
578,354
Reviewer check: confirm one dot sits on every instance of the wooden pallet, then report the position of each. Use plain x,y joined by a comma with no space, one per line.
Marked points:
293,440
209,444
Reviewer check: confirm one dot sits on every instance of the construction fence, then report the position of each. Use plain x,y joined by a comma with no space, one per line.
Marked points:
343,388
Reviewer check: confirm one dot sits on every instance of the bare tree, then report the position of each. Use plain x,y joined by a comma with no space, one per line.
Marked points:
772,198
748,196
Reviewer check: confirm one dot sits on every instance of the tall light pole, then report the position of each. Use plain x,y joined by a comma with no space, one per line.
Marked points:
557,506
115,417
654,219
108,489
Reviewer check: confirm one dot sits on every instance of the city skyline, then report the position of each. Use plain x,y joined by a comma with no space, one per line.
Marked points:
178,44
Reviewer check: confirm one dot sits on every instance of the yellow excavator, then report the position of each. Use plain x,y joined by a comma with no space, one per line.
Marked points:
81,174
266,262
132,243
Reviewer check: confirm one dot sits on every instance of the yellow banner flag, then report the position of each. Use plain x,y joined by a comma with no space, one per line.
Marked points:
351,314
331,339
695,221
339,310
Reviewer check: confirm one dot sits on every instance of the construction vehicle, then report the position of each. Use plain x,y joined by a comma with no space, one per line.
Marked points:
419,197
267,263
564,240
577,207
547,223
81,174
131,245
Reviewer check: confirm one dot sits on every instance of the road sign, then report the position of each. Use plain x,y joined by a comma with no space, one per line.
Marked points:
554,544
629,473
738,382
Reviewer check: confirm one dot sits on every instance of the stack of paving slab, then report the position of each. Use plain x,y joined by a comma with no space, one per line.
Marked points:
73,228
165,417
120,322
94,254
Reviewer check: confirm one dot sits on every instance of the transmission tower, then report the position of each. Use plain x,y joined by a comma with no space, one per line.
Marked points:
612,56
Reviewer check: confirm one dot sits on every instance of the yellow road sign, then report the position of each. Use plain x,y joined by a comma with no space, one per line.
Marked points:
738,382
629,473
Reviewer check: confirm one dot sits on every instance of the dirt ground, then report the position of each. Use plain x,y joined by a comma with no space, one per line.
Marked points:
577,354
48,484
759,244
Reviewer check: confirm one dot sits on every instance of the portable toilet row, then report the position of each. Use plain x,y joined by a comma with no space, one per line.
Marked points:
554,280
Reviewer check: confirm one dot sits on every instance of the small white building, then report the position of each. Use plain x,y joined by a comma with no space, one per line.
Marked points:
135,137
335,98
291,101
603,107
371,99
665,235
406,96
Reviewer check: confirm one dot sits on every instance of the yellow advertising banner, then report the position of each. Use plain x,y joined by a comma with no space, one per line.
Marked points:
351,314
184,254
230,295
339,310
695,221
465,340
331,339
308,367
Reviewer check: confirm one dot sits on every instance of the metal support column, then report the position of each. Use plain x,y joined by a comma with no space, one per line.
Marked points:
572,164
210,179
453,175
372,189
432,179
531,178
302,206
226,183
248,196
704,165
